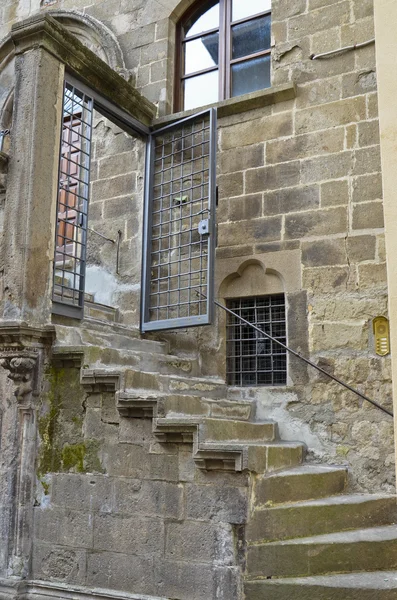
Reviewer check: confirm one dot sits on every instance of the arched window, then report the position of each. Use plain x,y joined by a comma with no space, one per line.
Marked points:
223,51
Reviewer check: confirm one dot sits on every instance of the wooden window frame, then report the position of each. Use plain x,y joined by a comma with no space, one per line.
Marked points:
225,62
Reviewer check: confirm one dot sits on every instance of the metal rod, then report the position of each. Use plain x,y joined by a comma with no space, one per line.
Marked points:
340,50
119,234
101,235
306,360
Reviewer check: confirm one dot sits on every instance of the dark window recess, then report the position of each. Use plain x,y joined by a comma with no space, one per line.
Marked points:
72,204
223,51
253,359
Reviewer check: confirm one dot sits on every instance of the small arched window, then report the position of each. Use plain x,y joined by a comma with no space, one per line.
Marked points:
223,51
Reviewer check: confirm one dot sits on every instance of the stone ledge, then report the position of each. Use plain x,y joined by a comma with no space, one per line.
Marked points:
240,104
21,335
49,590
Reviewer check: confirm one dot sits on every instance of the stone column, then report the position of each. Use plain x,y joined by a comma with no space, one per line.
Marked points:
30,209
386,68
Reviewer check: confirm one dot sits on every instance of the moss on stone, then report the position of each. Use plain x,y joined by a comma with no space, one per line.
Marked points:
63,447
73,458
92,463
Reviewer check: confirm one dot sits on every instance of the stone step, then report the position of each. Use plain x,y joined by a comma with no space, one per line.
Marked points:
174,383
326,515
143,404
217,430
140,354
378,585
106,335
255,457
306,482
343,552
100,312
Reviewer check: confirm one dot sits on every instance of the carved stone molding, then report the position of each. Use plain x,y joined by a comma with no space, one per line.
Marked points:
23,350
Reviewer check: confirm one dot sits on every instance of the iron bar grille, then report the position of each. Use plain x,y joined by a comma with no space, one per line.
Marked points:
73,194
251,358
180,219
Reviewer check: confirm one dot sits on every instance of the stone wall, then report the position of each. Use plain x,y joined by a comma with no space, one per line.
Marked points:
302,175
115,509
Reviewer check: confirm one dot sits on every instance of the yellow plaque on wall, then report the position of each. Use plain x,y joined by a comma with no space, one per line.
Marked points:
382,336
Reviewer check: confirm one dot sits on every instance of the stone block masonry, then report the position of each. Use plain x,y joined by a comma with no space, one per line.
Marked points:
123,506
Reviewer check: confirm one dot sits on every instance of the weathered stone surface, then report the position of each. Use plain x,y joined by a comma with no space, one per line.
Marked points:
151,498
334,193
199,541
121,572
256,131
316,223
304,146
367,188
368,215
258,230
330,115
128,534
245,207
238,159
324,252
333,166
224,504
291,200
64,526
270,178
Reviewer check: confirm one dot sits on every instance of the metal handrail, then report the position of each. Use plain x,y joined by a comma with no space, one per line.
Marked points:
306,360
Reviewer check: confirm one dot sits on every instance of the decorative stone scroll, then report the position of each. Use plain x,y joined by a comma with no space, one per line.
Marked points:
23,350
21,372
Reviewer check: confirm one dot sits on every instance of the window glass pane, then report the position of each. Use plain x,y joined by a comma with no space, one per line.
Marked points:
201,90
251,37
201,53
251,75
209,20
246,8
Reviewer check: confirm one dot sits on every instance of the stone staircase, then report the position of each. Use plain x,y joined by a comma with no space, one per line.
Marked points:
309,539
306,537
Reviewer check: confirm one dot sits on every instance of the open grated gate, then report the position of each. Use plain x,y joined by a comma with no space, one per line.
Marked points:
179,238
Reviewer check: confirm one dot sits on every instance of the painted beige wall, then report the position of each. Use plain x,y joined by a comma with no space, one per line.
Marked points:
386,59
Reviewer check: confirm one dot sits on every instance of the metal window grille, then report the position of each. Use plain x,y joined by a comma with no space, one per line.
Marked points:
179,239
72,204
251,358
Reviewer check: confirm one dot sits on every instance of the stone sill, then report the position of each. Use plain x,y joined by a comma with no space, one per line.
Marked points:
234,106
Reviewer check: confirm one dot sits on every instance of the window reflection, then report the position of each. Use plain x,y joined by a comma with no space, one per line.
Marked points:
209,20
201,90
247,8
202,53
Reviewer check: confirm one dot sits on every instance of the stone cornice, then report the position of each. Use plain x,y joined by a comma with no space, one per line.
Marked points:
16,337
43,31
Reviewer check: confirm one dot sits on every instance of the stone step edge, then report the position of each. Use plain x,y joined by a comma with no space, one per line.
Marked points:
252,457
366,534
312,470
104,328
365,580
336,499
144,404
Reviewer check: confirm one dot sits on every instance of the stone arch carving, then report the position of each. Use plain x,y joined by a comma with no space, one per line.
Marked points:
93,34
251,278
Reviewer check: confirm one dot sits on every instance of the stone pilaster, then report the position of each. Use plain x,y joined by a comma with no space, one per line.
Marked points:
23,353
32,187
